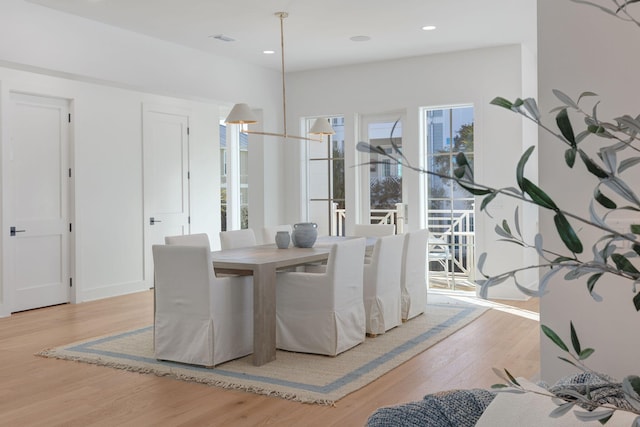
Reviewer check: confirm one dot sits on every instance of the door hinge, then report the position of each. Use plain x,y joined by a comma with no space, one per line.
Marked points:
188,220
188,175
70,282
69,172
70,228
187,130
69,117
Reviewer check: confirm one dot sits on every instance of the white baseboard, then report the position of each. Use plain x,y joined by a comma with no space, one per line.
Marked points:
113,290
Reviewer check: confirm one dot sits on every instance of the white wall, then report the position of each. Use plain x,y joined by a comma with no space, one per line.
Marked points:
40,39
470,77
593,55
108,73
107,153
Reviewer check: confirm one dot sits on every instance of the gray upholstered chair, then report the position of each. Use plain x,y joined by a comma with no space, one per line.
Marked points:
451,408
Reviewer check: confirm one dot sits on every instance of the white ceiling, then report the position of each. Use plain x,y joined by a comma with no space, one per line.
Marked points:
317,33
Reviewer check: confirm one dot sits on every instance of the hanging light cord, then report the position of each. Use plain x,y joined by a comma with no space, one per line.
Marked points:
235,120
283,15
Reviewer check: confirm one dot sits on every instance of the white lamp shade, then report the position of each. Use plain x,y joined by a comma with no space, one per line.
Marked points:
241,114
322,127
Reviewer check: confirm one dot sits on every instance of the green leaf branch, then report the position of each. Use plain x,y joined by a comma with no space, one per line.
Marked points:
584,405
620,11
609,254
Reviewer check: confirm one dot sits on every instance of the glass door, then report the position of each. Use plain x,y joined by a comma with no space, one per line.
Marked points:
234,178
382,199
450,208
326,180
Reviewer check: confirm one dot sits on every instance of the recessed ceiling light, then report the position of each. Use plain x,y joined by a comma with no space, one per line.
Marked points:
429,27
268,52
360,38
223,38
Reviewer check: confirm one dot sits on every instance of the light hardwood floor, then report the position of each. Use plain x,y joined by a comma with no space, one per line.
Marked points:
36,391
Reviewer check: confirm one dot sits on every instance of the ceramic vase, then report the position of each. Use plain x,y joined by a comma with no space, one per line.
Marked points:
282,239
304,234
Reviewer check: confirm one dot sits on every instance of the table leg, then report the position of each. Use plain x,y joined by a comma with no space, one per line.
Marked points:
264,314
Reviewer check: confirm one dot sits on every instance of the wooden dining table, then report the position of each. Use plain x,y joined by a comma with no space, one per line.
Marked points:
263,261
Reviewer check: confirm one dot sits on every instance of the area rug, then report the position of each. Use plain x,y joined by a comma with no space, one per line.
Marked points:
295,376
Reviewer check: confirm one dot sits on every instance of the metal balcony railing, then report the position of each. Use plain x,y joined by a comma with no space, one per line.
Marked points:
451,239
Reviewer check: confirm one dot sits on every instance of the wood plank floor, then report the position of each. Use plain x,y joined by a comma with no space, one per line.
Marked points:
36,391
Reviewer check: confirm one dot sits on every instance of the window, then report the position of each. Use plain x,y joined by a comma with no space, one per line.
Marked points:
326,180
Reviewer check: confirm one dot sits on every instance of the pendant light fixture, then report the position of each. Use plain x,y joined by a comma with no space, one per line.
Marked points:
241,113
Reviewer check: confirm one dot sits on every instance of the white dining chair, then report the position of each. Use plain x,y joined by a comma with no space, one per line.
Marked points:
199,319
269,232
323,313
413,278
234,239
382,295
373,230
200,239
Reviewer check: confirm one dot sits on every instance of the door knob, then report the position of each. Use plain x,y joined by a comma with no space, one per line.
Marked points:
152,221
13,231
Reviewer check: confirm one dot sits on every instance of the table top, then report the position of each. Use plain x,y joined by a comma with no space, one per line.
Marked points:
268,254
252,256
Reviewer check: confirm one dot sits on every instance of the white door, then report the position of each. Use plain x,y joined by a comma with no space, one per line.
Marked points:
37,223
166,178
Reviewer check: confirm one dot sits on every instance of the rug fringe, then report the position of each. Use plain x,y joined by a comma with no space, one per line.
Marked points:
51,353
314,381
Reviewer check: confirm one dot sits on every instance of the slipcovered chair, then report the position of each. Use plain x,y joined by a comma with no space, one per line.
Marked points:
199,319
237,239
373,230
413,279
269,233
323,313
382,285
200,239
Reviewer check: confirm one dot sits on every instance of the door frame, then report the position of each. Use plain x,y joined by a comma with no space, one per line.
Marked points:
6,261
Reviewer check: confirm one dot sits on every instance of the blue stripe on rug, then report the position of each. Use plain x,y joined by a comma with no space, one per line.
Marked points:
410,344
